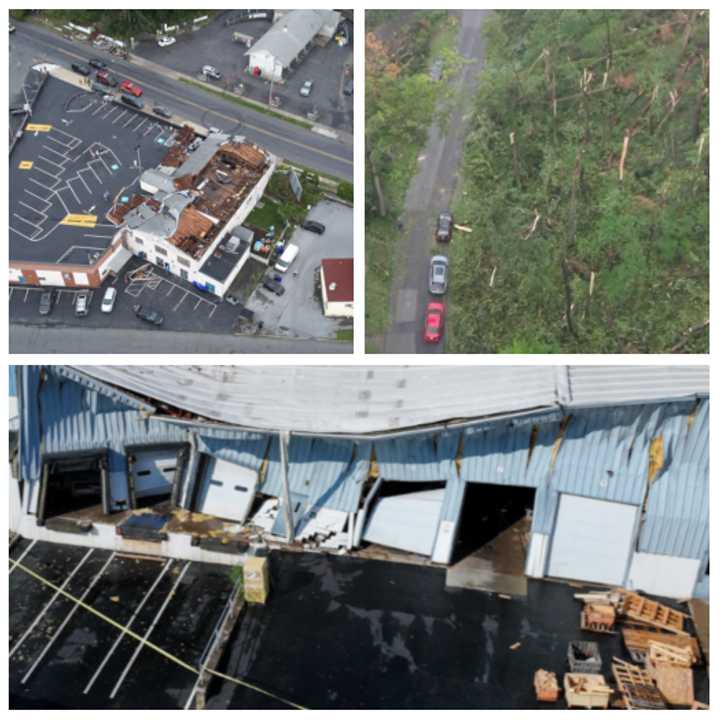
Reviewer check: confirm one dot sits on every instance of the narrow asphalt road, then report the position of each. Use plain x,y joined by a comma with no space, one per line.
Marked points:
285,139
430,192
33,339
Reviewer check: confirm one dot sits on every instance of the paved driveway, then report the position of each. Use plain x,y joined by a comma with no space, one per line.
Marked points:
214,45
299,310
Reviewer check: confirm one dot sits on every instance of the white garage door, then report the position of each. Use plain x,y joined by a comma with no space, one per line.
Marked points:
226,490
153,472
592,540
407,522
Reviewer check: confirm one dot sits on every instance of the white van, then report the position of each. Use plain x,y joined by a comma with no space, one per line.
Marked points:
287,258
108,301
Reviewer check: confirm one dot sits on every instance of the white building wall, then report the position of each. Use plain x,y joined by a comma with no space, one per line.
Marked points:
50,277
15,275
270,67
537,555
338,309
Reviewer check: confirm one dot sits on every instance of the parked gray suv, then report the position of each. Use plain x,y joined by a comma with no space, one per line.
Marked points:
438,282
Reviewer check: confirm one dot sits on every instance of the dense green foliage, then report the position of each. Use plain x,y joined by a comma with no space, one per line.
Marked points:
548,210
123,23
400,102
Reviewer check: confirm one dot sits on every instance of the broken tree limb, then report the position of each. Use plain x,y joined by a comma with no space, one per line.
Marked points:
492,277
534,225
382,208
623,156
688,335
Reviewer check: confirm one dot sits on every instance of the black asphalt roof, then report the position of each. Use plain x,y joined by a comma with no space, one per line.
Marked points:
219,265
80,163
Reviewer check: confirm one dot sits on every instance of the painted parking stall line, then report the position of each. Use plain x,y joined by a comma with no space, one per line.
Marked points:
22,557
128,625
67,619
140,646
50,603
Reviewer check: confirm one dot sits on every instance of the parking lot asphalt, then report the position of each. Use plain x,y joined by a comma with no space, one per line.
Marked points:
62,656
214,45
299,310
85,154
342,633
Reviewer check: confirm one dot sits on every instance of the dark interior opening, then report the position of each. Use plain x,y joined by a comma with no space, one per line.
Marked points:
389,488
73,484
487,511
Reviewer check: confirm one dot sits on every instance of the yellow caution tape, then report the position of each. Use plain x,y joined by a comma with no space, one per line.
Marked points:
25,164
35,127
83,221
127,631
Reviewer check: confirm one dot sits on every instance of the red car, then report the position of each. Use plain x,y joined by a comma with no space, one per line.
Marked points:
105,78
434,321
131,88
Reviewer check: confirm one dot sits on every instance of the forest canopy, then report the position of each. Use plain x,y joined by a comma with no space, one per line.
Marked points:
586,185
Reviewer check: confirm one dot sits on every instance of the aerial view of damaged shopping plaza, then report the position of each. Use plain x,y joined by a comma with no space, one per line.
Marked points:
181,181
326,538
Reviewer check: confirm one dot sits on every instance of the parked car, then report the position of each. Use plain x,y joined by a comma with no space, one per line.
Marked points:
348,88
162,111
148,315
166,41
46,303
306,88
97,64
108,301
106,78
82,304
132,101
211,72
81,69
434,322
131,88
269,283
313,226
444,227
438,282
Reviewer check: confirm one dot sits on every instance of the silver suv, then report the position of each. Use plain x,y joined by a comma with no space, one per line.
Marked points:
438,282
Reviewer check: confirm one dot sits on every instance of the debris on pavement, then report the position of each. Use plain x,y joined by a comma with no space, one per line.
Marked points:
586,690
546,686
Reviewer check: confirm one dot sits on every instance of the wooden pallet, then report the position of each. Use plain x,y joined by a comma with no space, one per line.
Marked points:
648,612
637,643
636,687
662,654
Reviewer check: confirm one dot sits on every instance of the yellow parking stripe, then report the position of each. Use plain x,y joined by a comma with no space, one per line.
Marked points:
83,221
35,127
25,164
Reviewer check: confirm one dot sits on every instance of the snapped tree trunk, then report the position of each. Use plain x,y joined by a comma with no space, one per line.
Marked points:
380,196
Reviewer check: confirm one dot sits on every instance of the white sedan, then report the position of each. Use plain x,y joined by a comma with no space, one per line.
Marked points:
166,41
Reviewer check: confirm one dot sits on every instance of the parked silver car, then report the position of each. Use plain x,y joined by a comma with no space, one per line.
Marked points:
438,283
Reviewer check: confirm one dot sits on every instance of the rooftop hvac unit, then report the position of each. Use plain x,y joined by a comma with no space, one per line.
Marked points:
333,286
233,244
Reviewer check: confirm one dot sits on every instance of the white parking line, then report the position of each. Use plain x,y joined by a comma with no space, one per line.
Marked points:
137,129
50,602
70,188
51,162
112,109
130,119
128,624
100,107
140,646
67,619
90,167
120,116
22,557
55,152
82,180
45,172
181,301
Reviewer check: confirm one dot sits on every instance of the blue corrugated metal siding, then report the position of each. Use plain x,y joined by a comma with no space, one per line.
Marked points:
331,472
417,459
677,518
500,455
236,446
546,500
453,497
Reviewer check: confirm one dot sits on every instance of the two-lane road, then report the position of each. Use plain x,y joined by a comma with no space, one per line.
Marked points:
431,192
285,139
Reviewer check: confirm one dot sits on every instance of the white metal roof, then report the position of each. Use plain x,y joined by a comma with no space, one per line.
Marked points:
367,399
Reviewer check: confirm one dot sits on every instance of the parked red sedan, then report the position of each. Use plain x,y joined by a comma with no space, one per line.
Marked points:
434,322
131,88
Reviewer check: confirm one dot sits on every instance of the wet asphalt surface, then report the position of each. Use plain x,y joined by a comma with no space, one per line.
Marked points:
343,633
430,193
60,679
337,632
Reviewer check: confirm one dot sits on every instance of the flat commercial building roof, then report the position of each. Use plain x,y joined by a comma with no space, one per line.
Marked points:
77,154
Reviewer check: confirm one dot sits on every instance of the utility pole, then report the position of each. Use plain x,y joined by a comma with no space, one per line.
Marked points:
284,438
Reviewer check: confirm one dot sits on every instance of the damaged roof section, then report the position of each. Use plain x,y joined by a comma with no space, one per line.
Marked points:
357,400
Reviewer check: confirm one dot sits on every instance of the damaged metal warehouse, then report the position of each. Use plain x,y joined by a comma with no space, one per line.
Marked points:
495,477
